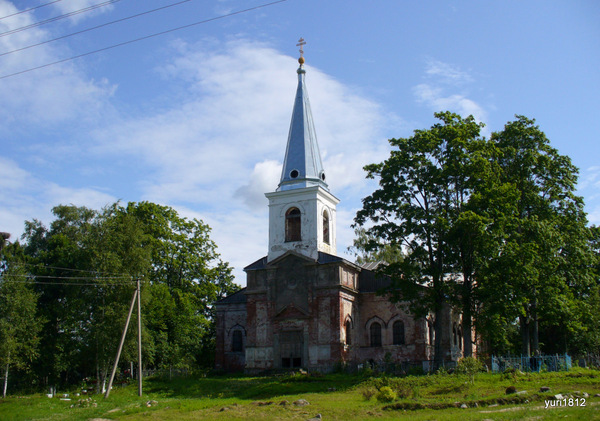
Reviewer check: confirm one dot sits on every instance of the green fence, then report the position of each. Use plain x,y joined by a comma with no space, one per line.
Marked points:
532,364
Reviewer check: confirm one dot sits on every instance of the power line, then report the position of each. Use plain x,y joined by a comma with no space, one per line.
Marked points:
94,27
66,15
34,282
143,38
29,10
76,278
43,266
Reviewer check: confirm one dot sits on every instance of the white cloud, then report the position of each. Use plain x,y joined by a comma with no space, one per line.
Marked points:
237,116
48,96
439,93
589,187
447,73
264,178
74,6
590,178
212,153
26,196
433,97
220,149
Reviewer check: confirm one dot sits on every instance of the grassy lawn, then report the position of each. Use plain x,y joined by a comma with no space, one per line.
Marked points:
334,396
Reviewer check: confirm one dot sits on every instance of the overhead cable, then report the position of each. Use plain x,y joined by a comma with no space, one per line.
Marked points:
142,38
43,266
66,15
33,281
94,27
29,10
125,279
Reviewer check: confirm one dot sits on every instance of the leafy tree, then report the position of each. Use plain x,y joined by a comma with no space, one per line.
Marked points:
85,265
423,186
469,366
185,260
368,250
19,323
59,254
117,245
542,265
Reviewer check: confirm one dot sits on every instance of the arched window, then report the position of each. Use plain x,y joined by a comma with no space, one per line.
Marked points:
237,341
398,329
375,332
326,227
348,333
293,226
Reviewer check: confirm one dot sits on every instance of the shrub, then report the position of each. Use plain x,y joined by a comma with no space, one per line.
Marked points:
366,370
441,372
469,366
403,392
368,393
386,394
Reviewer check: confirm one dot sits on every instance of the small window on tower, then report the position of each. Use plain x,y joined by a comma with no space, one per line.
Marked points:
294,173
293,225
326,227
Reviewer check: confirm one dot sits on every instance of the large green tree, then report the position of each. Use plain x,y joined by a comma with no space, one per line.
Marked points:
186,262
20,324
423,188
86,264
542,268
493,228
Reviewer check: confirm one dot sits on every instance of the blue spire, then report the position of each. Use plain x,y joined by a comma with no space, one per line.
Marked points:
302,166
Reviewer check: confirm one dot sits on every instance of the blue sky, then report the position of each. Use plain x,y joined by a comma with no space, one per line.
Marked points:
197,119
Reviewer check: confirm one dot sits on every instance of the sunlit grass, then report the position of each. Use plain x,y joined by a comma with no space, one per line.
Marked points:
334,396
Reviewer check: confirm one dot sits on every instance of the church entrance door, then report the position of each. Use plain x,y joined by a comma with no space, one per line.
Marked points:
291,345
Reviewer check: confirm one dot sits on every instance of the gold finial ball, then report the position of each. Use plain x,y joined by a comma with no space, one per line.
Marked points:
301,60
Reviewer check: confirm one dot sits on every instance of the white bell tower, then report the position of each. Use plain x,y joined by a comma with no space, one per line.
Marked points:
302,211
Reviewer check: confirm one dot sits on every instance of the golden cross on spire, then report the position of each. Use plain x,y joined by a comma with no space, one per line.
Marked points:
301,44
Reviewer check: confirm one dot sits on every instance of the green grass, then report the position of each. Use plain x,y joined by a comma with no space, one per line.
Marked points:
335,396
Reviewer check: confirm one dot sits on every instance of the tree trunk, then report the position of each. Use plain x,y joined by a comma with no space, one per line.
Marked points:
535,346
467,318
5,381
467,326
535,328
441,343
437,343
525,349
97,374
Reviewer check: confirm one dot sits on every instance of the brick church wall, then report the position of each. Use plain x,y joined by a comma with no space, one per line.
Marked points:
230,317
319,306
378,309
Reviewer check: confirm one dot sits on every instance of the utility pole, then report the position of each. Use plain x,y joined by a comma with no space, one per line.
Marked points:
114,370
139,306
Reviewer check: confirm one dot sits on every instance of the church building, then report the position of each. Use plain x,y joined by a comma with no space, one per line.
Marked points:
303,306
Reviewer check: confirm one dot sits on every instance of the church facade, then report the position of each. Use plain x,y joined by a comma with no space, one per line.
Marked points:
303,306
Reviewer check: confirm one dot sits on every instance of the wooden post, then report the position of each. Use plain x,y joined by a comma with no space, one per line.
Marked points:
139,302
114,370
